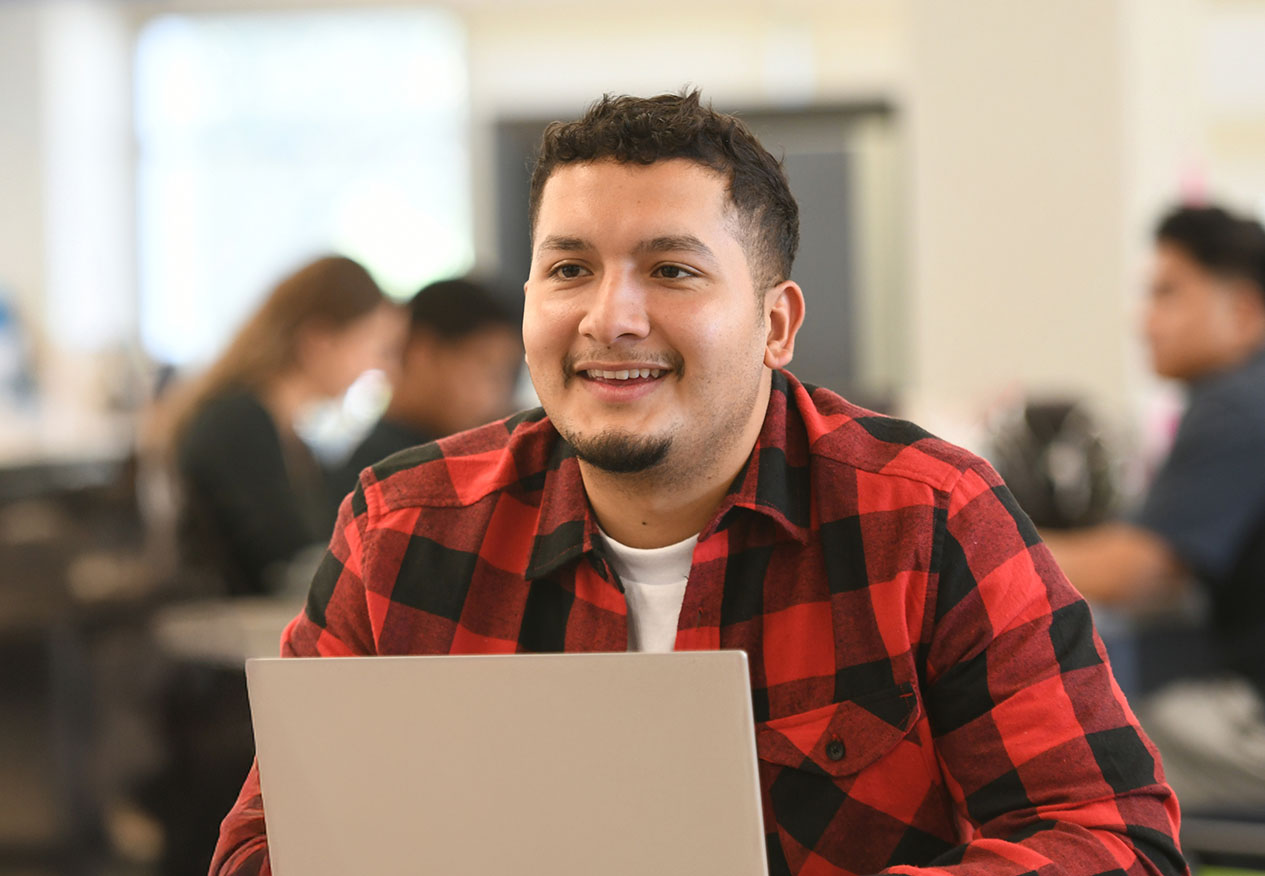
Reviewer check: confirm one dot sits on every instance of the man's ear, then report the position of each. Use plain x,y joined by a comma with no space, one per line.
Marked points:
1248,302
784,311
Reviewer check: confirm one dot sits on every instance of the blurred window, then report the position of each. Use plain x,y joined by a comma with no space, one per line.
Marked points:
265,139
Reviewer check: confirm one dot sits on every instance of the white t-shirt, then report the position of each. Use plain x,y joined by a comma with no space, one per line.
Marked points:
654,586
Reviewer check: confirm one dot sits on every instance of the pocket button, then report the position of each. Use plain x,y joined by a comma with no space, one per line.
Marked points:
835,750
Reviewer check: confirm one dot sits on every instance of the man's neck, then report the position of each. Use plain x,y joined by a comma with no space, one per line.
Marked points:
634,512
671,502
412,413
1231,360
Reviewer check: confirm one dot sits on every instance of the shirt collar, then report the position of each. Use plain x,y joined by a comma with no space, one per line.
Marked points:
775,480
566,528
774,483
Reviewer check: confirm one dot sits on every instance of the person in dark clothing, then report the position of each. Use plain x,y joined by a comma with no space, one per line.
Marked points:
254,499
1203,518
457,371
254,495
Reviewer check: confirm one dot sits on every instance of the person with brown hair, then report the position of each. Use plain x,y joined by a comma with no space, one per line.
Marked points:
254,495
927,688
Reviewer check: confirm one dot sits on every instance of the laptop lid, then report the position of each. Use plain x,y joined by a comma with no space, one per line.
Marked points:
532,765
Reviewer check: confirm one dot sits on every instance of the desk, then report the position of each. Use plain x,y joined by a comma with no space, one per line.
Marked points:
225,632
206,715
52,434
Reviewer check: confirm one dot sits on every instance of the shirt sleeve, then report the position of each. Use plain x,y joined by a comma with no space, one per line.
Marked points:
242,848
1210,491
1041,754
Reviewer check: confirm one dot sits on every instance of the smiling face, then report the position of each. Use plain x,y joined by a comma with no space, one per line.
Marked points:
646,340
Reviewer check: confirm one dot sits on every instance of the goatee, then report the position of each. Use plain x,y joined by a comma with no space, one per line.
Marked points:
622,453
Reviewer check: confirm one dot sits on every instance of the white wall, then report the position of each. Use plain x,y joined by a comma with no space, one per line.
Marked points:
66,244
1017,196
1232,93
65,150
21,161
87,177
1045,138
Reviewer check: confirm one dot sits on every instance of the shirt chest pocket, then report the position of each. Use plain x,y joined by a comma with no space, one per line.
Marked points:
843,738
817,791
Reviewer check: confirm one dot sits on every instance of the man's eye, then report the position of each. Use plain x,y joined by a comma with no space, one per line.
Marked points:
674,272
568,272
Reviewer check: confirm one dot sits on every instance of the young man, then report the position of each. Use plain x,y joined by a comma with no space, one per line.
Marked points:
928,689
458,369
1203,519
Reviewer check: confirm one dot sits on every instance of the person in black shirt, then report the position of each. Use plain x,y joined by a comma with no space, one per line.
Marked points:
254,513
458,370
254,496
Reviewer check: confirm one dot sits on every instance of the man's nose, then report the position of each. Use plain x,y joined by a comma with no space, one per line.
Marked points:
616,310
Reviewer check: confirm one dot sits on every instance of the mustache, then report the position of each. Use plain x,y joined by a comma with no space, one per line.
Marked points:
667,361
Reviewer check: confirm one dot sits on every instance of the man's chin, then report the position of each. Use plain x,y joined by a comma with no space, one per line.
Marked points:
622,453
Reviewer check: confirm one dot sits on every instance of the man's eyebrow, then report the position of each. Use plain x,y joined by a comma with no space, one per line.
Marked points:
677,243
562,243
664,243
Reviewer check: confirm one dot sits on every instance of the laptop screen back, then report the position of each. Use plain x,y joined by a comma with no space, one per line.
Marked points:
560,764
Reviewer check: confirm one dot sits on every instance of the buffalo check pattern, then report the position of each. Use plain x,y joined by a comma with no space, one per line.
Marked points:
930,694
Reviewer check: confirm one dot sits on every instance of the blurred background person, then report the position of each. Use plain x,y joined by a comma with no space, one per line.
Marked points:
458,369
254,495
254,512
1203,517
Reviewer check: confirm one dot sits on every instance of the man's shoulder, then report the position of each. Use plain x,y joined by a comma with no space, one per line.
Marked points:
889,447
465,468
1234,394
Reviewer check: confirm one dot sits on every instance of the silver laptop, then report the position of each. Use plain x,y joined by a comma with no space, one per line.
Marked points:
523,765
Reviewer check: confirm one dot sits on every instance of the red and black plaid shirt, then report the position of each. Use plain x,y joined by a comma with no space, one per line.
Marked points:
929,691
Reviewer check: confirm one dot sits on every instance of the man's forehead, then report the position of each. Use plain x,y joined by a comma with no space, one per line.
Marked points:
597,176
1172,262
687,188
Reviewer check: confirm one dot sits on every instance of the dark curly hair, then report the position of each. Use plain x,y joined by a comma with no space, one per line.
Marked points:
1220,241
646,130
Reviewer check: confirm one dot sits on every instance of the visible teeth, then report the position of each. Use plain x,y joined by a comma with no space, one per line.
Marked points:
625,375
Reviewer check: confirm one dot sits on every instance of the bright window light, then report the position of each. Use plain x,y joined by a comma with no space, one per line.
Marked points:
267,139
